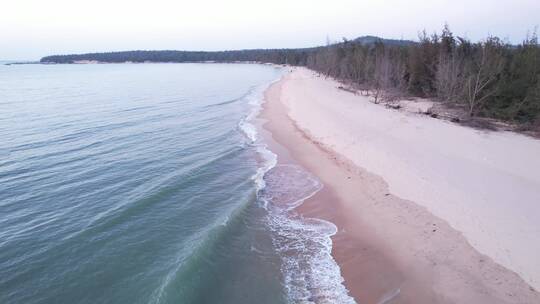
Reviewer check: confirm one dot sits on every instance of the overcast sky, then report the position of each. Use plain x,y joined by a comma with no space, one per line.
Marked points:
30,29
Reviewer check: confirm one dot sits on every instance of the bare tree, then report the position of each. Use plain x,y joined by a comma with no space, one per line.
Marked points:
487,67
448,76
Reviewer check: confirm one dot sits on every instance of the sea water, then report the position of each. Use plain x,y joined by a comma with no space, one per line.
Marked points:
148,183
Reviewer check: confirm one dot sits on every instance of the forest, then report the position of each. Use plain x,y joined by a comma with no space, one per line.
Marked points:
490,78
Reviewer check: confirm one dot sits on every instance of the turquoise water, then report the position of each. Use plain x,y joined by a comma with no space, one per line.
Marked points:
143,183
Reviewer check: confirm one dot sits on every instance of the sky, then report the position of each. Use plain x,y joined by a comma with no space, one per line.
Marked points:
31,29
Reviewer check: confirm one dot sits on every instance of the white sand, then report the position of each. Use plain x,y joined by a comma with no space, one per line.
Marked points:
484,184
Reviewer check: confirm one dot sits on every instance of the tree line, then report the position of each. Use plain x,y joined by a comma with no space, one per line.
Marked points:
277,56
489,78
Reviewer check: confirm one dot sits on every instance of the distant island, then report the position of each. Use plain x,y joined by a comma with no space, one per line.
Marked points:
277,56
490,78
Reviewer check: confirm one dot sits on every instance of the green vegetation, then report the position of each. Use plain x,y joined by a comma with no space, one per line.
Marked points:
278,56
490,78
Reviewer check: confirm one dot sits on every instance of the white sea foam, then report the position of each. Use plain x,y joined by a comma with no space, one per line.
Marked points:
255,100
310,274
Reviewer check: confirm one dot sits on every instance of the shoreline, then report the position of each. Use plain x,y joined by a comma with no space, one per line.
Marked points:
389,249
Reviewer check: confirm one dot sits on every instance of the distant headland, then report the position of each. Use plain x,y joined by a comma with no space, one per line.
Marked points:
278,56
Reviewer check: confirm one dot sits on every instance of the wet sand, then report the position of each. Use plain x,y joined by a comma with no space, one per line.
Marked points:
390,250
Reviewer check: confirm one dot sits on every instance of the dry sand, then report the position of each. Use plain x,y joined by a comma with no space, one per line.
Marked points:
427,211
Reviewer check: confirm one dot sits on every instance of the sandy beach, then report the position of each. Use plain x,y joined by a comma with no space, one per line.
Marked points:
427,211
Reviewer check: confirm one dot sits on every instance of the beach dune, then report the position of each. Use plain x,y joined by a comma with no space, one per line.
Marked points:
449,214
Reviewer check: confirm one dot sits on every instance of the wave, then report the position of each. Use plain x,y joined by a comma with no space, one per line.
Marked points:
255,100
184,279
310,274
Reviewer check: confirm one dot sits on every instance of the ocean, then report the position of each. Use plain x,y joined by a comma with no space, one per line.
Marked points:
148,183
